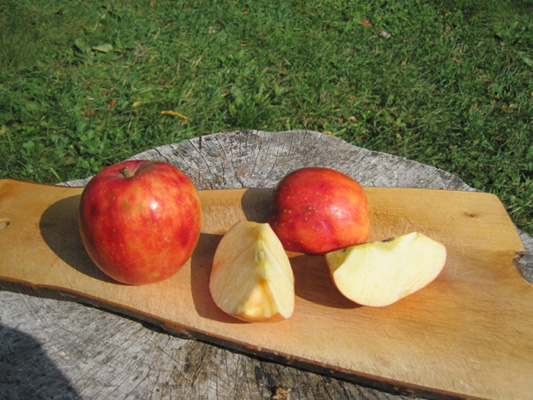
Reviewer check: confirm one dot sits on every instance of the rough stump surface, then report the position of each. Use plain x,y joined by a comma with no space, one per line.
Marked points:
63,350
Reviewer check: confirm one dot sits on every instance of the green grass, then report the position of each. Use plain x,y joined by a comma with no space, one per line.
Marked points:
446,83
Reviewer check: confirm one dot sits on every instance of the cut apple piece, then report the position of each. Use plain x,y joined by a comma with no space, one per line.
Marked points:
380,273
251,278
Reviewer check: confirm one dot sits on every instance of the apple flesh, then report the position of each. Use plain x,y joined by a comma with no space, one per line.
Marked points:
251,277
140,220
380,273
319,210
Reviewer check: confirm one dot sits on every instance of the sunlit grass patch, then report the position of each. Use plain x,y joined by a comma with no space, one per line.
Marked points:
447,83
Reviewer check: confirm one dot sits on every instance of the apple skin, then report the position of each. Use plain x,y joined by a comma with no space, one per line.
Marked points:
318,210
140,220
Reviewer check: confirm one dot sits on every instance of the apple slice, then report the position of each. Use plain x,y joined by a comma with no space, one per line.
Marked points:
251,278
380,273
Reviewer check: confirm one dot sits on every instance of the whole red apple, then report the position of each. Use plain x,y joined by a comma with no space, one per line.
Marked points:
140,220
318,210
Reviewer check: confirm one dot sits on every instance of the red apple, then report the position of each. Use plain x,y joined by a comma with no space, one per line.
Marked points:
140,220
319,210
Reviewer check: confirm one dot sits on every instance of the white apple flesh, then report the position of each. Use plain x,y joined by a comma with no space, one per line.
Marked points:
380,273
251,278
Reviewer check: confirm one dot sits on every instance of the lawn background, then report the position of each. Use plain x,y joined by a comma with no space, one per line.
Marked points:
448,83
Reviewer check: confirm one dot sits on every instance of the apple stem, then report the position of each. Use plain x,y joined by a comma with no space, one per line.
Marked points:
126,172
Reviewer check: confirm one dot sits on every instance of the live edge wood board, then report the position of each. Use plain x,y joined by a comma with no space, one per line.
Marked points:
468,334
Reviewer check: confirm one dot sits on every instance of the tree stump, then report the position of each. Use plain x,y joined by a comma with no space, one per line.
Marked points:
59,349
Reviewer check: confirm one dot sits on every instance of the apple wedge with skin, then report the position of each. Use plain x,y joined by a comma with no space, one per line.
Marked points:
251,277
378,274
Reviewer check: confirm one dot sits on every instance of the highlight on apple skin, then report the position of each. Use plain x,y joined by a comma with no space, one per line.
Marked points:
140,220
251,276
318,210
381,273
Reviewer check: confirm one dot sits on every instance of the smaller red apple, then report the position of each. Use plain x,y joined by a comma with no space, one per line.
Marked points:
319,210
140,220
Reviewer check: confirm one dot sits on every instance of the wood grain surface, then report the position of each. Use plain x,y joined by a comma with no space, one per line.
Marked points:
457,319
68,350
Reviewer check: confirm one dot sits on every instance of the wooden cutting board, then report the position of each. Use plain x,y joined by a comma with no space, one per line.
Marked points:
468,334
